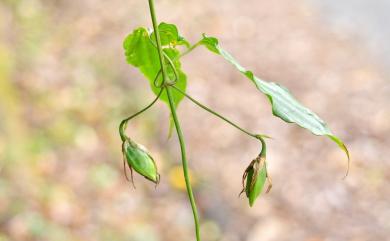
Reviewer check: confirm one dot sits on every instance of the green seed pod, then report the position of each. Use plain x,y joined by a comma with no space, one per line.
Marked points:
139,159
254,179
255,176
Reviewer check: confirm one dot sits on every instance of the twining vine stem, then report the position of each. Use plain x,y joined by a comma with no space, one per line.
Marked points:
185,163
123,124
165,85
215,113
176,121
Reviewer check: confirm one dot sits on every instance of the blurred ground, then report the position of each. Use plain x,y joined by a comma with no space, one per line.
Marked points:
64,87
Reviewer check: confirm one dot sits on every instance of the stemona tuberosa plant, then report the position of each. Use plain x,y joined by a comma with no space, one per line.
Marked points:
157,53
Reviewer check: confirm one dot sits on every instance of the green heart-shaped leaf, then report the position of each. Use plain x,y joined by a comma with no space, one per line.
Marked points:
141,52
169,35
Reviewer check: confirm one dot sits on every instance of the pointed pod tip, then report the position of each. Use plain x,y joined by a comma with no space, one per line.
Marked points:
251,201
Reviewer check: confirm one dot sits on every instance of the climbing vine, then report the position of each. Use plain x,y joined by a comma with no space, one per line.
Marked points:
157,53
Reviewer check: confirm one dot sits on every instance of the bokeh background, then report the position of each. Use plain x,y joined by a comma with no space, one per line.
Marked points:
65,86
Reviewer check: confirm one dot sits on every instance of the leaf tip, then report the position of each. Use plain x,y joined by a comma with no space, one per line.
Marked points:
349,161
341,144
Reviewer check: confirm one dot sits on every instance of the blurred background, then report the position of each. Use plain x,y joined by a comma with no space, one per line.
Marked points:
65,86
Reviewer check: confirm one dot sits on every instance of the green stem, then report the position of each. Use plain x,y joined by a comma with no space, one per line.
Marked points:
184,161
216,114
123,124
158,40
189,50
263,146
176,121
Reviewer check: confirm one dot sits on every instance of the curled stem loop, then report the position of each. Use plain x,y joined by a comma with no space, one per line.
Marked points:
171,64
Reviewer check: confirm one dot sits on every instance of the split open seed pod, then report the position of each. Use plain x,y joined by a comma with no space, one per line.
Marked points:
139,160
254,179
